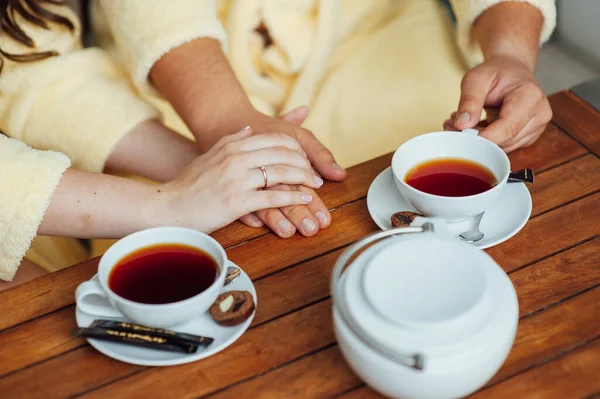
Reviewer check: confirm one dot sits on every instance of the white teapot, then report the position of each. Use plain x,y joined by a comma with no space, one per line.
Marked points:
420,314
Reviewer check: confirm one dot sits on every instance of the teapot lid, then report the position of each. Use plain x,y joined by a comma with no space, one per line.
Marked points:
414,295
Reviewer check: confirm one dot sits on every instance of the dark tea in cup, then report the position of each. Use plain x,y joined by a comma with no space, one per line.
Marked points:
450,177
163,273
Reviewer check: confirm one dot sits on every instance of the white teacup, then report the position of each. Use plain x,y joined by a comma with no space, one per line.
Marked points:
465,145
161,315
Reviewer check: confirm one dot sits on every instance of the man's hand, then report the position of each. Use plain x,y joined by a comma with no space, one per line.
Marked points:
198,81
307,219
509,36
506,84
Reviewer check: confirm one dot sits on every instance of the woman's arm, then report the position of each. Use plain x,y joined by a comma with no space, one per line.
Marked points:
153,151
91,205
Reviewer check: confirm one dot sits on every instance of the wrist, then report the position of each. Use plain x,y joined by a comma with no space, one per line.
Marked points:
157,209
509,29
198,81
207,134
512,53
207,130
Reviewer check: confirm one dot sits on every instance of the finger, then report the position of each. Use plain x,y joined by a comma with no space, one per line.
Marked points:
251,220
256,201
321,158
230,138
525,141
281,174
449,124
535,126
317,209
272,156
276,221
517,109
530,127
297,116
300,215
260,141
475,87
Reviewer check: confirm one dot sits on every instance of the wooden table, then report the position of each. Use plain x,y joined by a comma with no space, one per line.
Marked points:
290,351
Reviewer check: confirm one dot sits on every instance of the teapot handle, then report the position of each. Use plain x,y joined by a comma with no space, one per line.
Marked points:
416,360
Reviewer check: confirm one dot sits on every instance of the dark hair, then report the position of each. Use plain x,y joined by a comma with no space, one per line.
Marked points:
34,12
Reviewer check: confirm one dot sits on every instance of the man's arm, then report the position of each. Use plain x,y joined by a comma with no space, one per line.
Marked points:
198,81
509,36
510,29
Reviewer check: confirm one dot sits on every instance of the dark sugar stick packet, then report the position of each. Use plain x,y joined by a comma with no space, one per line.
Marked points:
156,332
142,339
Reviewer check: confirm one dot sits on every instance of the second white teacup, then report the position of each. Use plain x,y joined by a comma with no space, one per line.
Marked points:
465,145
152,315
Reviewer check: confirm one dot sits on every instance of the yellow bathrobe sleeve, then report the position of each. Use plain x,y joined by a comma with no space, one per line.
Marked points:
145,30
81,102
467,11
28,179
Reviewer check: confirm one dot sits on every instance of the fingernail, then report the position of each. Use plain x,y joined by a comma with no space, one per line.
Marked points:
306,198
256,221
244,130
335,165
284,226
321,217
318,180
463,118
304,153
308,225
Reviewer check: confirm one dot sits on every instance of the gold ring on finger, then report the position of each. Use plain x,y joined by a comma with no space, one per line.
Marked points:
265,176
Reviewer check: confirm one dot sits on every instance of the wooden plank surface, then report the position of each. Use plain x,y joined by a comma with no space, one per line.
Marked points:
290,351
573,375
54,338
44,295
532,298
578,118
540,268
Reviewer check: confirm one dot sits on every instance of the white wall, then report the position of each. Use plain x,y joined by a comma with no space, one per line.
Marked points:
579,27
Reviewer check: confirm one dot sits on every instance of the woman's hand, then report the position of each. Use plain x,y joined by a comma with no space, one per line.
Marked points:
307,219
226,183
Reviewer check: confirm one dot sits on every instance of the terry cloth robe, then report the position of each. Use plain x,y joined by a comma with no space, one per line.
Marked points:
374,73
80,105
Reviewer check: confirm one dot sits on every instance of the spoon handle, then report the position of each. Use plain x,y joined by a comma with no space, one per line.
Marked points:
521,176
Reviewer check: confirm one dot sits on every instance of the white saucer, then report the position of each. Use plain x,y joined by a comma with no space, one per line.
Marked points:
498,224
202,325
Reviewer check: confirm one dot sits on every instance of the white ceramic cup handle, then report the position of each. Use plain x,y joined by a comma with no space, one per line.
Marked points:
91,288
474,132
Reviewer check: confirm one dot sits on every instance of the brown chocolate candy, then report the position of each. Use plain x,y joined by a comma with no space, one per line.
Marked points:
404,218
232,308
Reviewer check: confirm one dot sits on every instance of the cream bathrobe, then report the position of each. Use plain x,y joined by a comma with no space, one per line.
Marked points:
79,104
373,72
